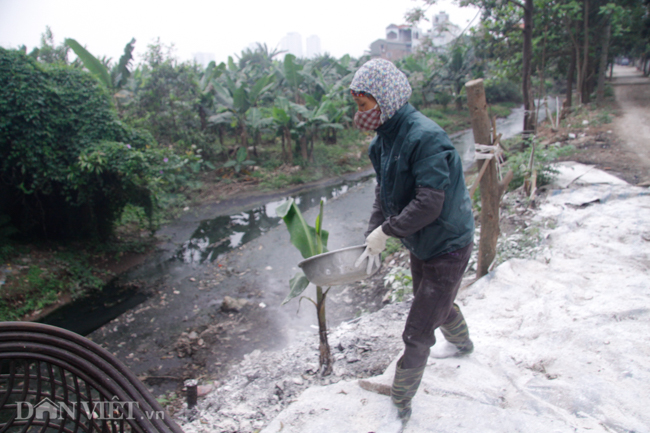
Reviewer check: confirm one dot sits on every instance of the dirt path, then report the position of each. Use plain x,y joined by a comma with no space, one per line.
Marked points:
632,92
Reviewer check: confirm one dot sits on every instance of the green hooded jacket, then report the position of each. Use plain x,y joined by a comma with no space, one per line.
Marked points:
409,152
421,196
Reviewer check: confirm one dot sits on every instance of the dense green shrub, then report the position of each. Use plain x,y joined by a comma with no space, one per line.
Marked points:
6,230
502,91
167,105
519,163
443,98
51,118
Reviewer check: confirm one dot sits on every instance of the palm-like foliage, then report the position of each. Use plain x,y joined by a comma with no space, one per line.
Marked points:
236,93
285,118
261,58
457,69
115,78
257,123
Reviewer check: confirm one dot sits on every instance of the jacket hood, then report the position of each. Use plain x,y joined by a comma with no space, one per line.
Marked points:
387,84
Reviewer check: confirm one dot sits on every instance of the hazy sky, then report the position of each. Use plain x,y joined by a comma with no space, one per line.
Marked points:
222,27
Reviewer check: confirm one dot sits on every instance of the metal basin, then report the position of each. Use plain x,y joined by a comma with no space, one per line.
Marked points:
336,267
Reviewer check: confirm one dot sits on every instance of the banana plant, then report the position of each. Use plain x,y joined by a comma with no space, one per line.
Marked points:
239,162
257,122
310,241
236,96
260,59
206,98
285,120
115,79
290,72
313,115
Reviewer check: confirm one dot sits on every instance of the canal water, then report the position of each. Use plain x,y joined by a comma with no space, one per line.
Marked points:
209,238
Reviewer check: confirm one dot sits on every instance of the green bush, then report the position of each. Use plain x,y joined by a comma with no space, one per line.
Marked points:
43,283
443,98
501,110
166,104
602,117
502,91
6,230
393,245
519,163
608,91
438,116
67,163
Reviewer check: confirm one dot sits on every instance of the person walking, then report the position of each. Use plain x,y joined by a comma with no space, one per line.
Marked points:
421,199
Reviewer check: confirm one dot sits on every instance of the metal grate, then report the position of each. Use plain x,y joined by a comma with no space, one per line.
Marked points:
52,380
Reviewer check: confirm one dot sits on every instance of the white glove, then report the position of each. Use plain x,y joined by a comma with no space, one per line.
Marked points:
375,244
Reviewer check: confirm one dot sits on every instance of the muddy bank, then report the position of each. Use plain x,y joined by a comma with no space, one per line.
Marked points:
182,330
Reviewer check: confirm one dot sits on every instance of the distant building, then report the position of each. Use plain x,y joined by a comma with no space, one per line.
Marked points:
292,43
204,59
313,46
403,40
442,31
400,41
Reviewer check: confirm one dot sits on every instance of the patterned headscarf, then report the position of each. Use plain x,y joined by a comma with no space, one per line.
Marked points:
387,84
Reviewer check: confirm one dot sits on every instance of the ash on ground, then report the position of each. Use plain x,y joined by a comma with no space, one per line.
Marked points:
255,391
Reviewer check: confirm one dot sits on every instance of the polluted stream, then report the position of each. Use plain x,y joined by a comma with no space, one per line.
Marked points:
183,328
213,291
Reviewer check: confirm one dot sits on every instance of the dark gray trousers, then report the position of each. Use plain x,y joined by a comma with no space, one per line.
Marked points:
435,286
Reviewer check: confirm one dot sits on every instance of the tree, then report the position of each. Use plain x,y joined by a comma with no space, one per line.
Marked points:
48,52
237,96
167,103
260,59
530,120
285,120
457,70
332,111
498,16
309,120
423,72
292,76
206,86
68,166
616,19
257,123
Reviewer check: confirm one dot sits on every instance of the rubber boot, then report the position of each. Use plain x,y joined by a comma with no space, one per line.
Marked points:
457,334
405,385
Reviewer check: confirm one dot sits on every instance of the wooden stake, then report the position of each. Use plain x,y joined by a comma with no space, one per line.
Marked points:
491,188
478,179
533,184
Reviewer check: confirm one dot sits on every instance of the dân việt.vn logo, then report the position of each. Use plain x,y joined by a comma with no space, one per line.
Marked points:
113,409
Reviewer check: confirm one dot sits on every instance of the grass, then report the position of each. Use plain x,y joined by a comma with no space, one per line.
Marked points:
586,115
518,162
393,245
400,282
452,120
348,155
581,118
36,281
